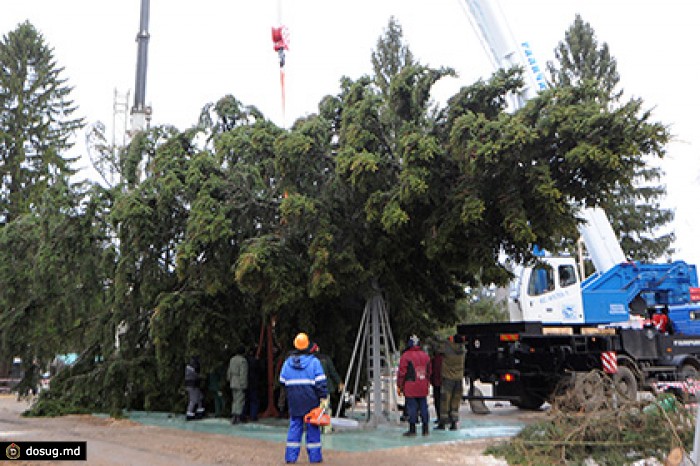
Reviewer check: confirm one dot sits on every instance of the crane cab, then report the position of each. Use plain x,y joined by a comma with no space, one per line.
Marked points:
550,292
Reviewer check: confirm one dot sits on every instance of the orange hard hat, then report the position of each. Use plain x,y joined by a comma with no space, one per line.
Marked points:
317,417
301,342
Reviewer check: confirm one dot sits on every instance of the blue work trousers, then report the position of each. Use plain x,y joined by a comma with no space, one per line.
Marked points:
413,405
252,404
313,441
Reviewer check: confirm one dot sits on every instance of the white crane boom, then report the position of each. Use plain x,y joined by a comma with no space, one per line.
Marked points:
504,51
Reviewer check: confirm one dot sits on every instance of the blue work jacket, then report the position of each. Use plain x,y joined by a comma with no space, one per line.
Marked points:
303,377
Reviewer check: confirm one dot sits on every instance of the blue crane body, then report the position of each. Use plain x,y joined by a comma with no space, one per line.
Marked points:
609,297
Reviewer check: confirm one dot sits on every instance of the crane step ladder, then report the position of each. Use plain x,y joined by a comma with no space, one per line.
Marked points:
376,394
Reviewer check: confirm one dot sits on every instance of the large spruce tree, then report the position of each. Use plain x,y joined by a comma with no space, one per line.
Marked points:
51,235
634,209
36,121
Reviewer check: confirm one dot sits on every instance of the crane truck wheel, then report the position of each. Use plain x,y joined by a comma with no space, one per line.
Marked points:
690,371
589,390
530,402
626,383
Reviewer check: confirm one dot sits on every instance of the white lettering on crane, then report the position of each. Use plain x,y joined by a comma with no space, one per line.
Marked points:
686,343
617,309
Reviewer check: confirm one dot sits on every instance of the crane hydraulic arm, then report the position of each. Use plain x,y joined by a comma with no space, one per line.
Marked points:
140,113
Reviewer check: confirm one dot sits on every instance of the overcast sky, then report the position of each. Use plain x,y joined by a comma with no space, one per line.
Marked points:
200,51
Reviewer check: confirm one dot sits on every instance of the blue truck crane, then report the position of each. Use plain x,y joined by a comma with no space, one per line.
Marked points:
527,361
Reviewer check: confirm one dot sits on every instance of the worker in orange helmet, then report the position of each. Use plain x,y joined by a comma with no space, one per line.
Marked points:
305,383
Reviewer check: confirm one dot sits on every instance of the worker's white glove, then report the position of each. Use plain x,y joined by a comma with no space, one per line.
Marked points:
325,403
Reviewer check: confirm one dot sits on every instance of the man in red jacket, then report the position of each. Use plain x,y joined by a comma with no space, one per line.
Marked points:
413,380
661,321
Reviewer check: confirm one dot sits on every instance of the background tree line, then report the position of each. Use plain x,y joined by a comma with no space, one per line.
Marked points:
213,231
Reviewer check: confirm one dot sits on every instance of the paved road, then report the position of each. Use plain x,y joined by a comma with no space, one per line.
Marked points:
123,442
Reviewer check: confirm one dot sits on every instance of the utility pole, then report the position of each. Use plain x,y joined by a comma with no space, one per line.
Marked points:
140,113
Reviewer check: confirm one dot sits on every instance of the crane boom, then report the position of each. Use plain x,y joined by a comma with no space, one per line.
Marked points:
140,113
503,50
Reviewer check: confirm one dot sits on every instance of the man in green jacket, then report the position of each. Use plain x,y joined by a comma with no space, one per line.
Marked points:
237,375
452,382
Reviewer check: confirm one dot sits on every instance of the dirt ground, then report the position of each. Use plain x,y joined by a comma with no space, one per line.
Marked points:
124,442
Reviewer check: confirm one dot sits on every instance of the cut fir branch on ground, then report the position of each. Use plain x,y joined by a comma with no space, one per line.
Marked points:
608,435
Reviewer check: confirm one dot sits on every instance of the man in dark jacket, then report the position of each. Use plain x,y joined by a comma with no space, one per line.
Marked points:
215,387
436,377
252,393
333,380
195,402
413,380
305,384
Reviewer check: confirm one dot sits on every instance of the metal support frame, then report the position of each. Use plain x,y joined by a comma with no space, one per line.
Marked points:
376,342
